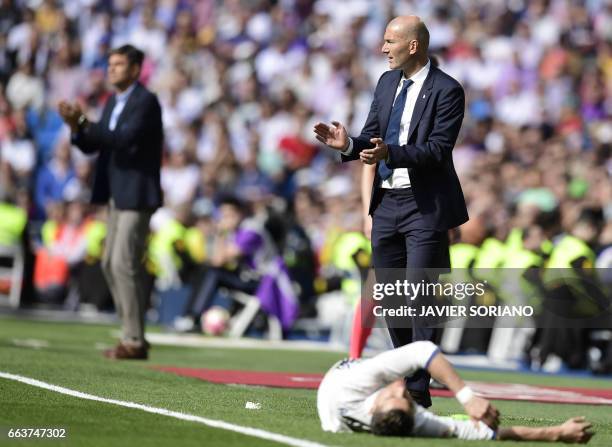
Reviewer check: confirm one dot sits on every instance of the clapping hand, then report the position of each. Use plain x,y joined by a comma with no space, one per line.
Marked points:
334,136
376,154
70,113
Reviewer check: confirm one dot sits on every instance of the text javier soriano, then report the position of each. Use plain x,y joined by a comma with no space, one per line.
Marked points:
412,293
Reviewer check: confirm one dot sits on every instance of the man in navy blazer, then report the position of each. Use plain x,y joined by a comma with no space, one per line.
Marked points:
129,139
409,135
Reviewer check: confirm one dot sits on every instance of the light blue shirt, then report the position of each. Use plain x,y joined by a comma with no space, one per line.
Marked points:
120,101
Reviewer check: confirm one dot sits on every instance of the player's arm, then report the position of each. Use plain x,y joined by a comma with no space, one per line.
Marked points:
405,360
400,362
574,430
392,365
476,407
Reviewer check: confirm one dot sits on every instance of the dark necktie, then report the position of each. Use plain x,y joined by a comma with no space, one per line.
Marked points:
393,129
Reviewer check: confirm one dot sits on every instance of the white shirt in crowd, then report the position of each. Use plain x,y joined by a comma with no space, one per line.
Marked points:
400,178
179,183
349,389
19,153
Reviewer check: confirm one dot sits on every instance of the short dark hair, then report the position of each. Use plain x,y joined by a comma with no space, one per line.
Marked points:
392,423
133,54
236,203
592,216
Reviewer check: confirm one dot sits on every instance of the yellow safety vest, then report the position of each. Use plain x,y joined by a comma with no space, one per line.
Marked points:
12,223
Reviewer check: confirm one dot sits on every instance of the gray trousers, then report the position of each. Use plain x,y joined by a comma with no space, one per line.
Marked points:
123,267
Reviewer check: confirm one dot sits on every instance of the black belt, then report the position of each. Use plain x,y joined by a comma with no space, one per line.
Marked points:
397,191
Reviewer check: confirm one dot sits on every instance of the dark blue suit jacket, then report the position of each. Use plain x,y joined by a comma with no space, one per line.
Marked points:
434,127
128,167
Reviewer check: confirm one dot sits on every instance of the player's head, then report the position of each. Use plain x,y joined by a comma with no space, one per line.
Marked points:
406,41
124,64
393,411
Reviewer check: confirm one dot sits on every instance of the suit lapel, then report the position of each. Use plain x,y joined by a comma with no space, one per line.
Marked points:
108,110
421,101
386,101
131,102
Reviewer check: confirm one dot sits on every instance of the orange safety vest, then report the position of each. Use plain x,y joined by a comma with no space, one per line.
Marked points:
52,270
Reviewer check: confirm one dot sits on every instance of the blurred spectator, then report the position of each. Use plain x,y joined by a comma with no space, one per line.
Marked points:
58,261
179,179
17,150
243,258
15,244
53,178
25,89
46,128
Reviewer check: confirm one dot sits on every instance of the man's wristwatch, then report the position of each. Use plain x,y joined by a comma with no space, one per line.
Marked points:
82,121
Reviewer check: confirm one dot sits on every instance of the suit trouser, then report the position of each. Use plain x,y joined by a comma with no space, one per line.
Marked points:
123,267
400,241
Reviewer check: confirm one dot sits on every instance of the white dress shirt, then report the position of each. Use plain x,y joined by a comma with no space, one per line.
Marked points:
399,178
120,102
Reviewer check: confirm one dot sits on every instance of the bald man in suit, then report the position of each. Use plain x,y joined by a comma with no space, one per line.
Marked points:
410,132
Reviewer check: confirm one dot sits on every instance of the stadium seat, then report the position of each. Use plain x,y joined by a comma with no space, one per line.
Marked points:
240,322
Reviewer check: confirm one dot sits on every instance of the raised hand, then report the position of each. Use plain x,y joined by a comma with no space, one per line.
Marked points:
70,113
66,110
334,136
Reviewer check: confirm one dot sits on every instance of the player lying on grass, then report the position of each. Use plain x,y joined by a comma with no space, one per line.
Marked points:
370,395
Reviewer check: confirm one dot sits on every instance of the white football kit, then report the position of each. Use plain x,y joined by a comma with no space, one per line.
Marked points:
348,391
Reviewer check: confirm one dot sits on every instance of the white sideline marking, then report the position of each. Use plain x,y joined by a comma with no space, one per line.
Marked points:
256,432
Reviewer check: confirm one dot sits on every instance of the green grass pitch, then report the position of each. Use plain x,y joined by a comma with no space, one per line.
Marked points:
71,358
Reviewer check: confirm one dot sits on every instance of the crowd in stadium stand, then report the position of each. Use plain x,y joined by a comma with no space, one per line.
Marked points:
241,84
